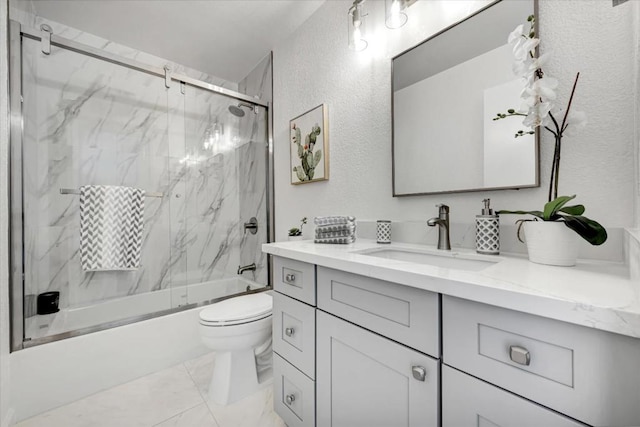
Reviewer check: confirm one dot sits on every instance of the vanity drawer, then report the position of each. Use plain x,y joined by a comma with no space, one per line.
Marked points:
295,278
588,374
404,314
294,332
294,395
469,402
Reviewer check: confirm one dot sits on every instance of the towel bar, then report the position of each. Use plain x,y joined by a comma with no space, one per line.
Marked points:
75,191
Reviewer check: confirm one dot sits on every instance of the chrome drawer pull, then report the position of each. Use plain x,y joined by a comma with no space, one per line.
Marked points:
289,332
289,398
519,355
290,278
419,373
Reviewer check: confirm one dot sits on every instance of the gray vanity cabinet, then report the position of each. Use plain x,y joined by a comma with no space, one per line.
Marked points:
294,339
470,402
376,353
364,379
587,374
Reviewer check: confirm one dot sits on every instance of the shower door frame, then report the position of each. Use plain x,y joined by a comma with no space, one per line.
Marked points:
16,257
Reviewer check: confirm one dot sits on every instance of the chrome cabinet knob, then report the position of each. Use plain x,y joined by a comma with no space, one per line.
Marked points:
289,398
290,278
289,332
419,373
519,355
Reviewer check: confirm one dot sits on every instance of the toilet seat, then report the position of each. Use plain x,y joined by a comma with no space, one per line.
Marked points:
238,310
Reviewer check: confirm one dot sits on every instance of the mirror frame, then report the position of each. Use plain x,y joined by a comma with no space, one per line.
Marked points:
471,190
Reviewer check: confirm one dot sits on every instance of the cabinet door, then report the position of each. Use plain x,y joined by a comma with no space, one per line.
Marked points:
294,333
363,379
294,395
295,278
469,402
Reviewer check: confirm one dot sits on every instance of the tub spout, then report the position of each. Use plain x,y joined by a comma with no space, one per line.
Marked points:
243,268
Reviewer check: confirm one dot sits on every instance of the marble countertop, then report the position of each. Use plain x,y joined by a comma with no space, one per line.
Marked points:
595,294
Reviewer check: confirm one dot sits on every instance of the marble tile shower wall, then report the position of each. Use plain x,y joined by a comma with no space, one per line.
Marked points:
87,121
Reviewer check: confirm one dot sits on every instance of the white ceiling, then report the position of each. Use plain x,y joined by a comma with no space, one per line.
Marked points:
225,38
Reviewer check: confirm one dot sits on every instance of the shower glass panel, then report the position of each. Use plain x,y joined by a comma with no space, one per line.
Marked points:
87,121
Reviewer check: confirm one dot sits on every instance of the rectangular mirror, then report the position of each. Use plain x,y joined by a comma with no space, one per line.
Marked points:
445,93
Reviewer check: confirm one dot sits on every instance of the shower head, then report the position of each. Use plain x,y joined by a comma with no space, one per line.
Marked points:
236,111
239,112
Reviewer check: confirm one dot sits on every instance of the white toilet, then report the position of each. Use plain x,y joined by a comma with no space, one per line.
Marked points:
235,328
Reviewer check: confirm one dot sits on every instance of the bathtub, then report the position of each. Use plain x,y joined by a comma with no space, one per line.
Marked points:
90,318
60,372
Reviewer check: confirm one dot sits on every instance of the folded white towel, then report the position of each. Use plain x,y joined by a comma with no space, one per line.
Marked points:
333,220
333,228
343,233
337,240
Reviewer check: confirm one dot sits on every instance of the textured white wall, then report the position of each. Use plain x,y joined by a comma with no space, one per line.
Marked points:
315,66
4,219
636,49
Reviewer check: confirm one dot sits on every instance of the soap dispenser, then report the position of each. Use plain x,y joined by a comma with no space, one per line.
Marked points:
487,231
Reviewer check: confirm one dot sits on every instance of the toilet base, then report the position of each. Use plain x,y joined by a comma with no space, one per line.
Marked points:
235,377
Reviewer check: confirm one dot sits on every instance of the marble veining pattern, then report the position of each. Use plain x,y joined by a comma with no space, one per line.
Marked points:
88,121
174,397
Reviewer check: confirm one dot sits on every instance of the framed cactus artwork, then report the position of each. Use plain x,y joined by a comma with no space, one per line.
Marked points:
309,141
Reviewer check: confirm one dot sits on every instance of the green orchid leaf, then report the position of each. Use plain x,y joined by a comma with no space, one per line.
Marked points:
588,229
520,223
553,206
572,210
539,214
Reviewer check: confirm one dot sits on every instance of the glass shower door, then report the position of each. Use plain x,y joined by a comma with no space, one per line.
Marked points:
89,122
224,181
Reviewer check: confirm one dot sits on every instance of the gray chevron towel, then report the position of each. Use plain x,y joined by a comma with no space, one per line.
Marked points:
111,224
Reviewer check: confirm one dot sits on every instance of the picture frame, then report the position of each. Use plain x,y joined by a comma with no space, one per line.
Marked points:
309,146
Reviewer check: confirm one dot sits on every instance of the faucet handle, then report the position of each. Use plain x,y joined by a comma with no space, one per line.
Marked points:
442,208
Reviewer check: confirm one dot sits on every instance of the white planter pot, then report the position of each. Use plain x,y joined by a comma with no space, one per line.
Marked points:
294,238
551,243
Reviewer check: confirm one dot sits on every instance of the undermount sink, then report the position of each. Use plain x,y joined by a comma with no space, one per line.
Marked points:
453,260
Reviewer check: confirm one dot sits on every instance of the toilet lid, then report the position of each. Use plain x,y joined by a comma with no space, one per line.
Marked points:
239,309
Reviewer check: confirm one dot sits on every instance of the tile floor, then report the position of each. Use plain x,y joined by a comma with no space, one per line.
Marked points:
175,397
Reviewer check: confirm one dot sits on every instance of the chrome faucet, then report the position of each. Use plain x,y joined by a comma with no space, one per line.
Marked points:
243,268
442,221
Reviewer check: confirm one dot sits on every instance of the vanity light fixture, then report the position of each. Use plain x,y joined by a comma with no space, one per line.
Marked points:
356,25
395,16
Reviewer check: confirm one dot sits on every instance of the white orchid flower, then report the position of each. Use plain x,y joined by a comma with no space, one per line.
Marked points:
537,115
539,62
523,48
576,120
516,34
544,88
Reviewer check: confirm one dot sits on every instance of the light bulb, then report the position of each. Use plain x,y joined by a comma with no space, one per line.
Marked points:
396,18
